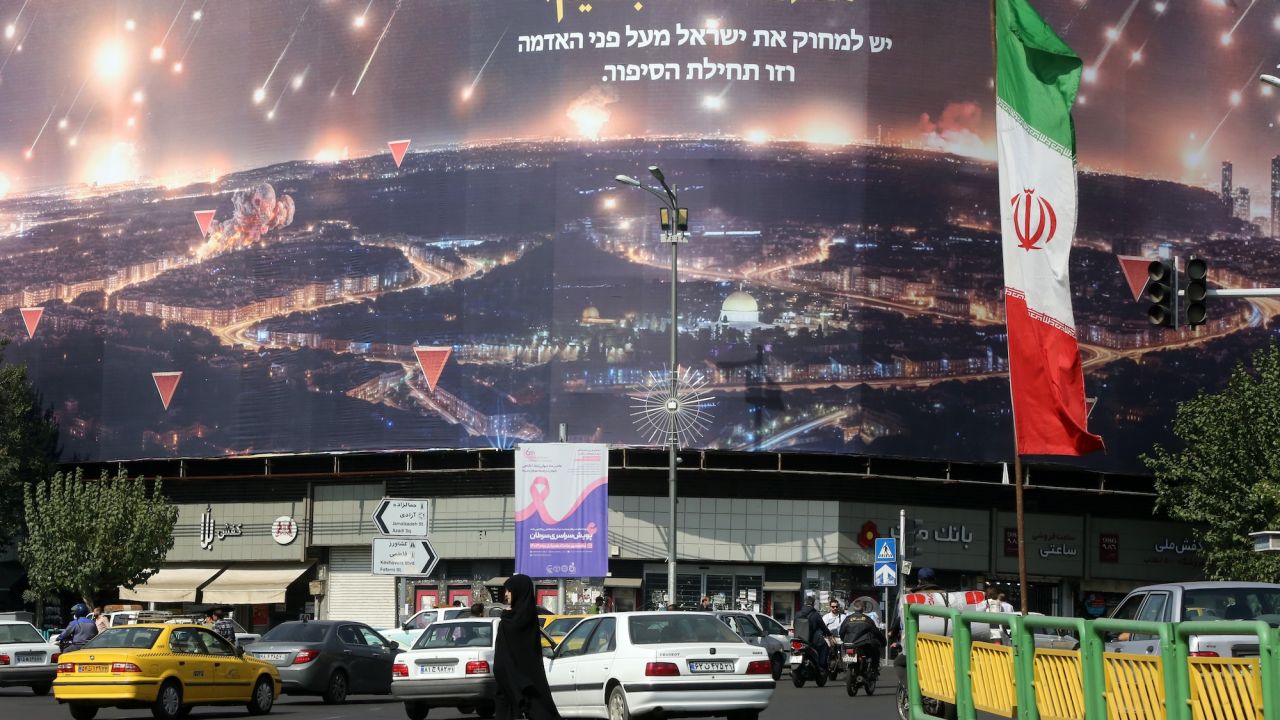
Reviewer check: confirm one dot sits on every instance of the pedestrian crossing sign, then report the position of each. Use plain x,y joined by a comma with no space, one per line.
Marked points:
886,550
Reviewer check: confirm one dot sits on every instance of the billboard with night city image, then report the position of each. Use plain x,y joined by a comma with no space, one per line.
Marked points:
238,227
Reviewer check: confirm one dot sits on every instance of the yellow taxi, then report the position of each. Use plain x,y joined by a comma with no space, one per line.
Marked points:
168,669
557,626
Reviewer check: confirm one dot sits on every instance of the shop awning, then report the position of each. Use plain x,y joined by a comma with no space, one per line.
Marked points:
172,584
253,583
782,587
622,582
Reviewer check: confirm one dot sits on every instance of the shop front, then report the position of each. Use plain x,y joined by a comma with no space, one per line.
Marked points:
1055,561
251,557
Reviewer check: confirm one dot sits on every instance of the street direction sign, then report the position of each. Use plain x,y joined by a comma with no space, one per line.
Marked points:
402,517
403,556
885,569
886,575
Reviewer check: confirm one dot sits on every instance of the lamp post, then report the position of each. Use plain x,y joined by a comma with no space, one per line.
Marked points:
674,222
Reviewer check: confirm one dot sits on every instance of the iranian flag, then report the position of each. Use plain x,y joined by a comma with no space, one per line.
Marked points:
1037,76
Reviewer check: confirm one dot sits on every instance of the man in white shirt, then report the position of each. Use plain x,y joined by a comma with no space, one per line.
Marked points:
834,618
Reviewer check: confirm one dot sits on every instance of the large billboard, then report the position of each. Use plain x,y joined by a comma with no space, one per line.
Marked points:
315,225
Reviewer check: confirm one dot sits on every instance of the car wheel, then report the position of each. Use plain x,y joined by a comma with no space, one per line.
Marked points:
416,710
777,663
41,689
336,692
485,711
82,711
263,698
618,709
168,704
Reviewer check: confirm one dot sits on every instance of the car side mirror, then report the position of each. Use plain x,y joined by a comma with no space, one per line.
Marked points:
393,645
239,651
548,653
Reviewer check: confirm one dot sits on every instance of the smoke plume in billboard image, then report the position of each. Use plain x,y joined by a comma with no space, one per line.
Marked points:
386,224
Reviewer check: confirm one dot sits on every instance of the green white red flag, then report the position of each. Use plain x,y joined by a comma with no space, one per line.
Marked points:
1037,76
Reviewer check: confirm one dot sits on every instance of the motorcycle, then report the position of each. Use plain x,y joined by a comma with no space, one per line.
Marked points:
835,658
932,707
863,669
804,664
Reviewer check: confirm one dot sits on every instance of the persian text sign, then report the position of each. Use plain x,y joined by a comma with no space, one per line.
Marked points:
562,510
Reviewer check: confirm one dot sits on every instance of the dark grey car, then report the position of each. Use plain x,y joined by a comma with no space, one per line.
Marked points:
329,658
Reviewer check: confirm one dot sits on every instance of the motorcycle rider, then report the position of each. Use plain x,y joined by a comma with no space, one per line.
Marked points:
818,632
81,630
859,631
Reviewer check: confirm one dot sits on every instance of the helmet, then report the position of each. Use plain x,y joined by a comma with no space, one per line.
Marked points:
80,610
924,574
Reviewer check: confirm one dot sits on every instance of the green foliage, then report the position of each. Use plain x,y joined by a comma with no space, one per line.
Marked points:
1226,479
88,536
28,444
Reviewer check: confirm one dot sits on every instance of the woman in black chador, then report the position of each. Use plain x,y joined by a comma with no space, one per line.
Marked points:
517,658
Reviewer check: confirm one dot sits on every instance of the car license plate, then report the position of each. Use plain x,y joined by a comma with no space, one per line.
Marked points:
710,667
272,657
93,668
30,658
434,669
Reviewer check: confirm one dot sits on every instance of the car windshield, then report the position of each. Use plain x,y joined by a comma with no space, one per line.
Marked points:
124,637
561,626
452,635
1227,603
296,632
21,633
682,628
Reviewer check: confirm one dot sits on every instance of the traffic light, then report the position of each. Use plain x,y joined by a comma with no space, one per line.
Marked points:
1162,294
1197,291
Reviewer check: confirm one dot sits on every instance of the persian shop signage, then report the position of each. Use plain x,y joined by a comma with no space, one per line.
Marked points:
210,530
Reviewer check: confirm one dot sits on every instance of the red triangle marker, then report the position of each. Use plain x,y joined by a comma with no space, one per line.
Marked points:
398,149
431,360
166,384
204,218
1135,272
31,318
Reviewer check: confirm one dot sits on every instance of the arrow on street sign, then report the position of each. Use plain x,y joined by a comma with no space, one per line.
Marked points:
886,575
403,556
402,518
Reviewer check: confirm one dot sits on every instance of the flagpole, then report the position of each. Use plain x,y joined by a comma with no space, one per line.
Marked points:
1017,457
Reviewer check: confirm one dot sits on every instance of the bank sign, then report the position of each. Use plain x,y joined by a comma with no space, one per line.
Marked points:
562,510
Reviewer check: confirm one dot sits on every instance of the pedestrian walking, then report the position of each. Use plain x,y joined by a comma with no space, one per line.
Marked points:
222,625
517,658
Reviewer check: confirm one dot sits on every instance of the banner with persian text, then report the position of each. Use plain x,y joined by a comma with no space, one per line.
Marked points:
562,510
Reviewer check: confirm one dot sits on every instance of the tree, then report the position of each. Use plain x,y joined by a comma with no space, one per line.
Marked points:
28,444
1226,478
89,536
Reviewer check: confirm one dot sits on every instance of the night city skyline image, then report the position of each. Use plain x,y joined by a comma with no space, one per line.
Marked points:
235,228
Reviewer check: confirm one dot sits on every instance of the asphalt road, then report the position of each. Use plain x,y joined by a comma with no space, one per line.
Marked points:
788,703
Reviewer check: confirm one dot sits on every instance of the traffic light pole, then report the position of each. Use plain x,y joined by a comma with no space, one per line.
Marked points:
1244,292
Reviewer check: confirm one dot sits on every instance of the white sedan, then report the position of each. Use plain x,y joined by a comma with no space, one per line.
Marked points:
408,633
25,657
450,665
680,664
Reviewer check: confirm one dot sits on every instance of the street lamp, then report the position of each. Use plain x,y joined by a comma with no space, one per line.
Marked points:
675,224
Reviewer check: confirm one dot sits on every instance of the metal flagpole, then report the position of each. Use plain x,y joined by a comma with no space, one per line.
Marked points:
1017,458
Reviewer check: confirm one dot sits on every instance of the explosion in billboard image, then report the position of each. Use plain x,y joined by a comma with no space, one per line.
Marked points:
372,178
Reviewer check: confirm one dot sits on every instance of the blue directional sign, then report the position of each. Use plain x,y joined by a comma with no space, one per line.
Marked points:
885,570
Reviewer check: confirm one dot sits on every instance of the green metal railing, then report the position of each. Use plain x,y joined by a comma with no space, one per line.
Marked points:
1089,683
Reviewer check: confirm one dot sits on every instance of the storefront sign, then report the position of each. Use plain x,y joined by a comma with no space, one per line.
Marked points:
1053,545
210,531
562,510
1165,545
1011,542
1109,548
284,530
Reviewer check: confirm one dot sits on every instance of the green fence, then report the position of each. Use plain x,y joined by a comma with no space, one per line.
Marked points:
1024,681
